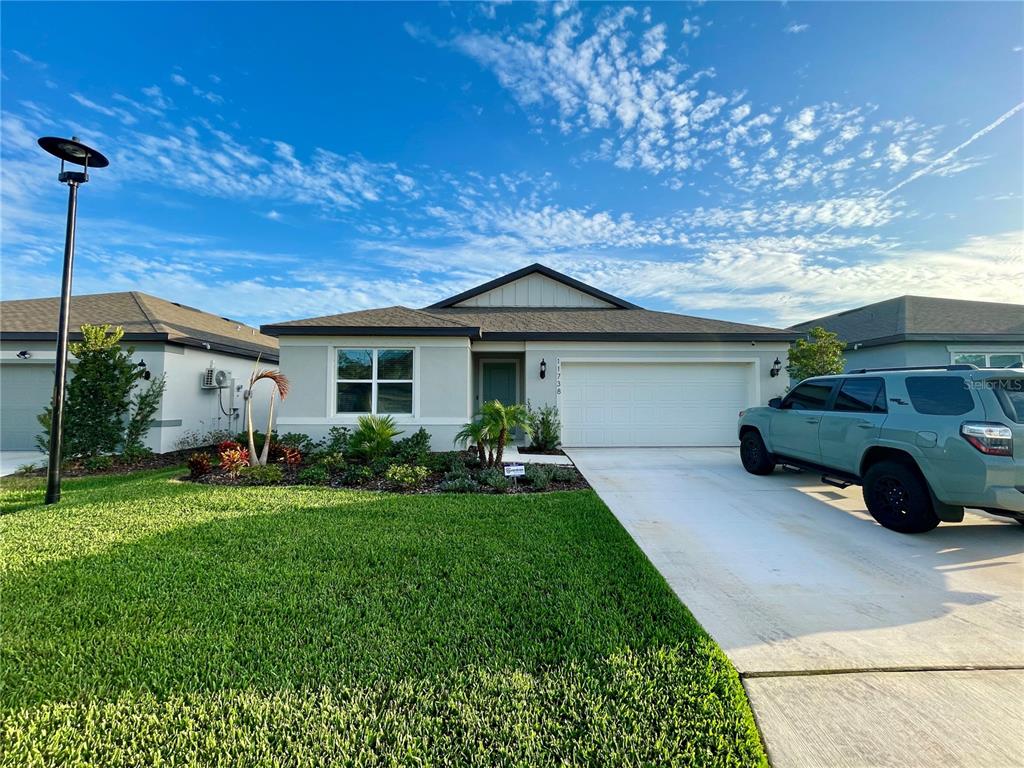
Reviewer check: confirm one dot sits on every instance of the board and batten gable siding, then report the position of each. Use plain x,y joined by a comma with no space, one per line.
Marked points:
534,290
442,387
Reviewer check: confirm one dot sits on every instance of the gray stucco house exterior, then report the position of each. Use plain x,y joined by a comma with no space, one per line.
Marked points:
921,330
620,375
172,339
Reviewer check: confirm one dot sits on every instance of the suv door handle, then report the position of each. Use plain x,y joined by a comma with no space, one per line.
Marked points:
812,421
866,426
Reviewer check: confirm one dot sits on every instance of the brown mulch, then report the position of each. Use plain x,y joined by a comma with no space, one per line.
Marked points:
156,461
429,486
541,452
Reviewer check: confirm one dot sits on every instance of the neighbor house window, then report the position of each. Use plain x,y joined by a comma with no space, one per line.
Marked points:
987,359
375,381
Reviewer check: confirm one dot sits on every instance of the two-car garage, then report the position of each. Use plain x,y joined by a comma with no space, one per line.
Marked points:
654,402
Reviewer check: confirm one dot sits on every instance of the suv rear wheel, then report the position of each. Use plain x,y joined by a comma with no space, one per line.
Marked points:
898,498
754,455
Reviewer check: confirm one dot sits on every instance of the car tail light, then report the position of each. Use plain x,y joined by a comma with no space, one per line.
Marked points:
992,439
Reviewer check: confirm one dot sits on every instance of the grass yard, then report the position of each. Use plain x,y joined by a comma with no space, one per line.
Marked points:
151,622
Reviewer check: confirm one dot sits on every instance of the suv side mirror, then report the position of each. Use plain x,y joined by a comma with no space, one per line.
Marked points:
775,402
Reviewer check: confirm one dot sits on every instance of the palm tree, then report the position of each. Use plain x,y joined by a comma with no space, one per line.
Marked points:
500,420
475,434
280,382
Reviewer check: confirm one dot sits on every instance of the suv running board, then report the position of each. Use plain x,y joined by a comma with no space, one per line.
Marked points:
836,482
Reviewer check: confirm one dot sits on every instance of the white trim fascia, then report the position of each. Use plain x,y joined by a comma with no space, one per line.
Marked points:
656,346
351,419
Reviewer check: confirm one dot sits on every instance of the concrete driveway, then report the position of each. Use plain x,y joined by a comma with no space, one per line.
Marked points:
858,646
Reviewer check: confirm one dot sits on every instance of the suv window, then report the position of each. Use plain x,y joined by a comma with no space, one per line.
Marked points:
810,396
940,395
861,396
1010,394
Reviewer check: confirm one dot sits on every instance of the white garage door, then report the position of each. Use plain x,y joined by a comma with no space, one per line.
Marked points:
653,404
25,389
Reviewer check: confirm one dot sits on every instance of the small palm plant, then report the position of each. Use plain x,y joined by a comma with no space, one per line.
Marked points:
500,421
475,434
372,440
280,382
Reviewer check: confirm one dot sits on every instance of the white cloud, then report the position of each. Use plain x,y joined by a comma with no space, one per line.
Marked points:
691,27
178,79
653,45
273,215
795,29
124,116
802,127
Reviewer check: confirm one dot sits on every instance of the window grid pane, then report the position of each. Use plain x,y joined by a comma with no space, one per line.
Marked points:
374,381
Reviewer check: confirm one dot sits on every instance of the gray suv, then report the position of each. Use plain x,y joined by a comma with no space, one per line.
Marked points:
923,442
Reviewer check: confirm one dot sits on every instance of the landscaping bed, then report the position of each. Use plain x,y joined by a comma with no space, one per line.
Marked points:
149,621
371,459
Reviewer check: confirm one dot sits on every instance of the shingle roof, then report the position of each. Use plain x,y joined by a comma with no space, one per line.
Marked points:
143,317
498,323
924,318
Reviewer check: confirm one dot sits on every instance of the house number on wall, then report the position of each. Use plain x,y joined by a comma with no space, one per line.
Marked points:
558,375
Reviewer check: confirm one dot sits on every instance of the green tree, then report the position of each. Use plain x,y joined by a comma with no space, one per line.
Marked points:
821,354
501,420
98,399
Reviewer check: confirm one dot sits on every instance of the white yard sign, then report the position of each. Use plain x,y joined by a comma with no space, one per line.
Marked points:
515,470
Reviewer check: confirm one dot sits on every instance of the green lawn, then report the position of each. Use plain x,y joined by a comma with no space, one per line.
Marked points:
151,622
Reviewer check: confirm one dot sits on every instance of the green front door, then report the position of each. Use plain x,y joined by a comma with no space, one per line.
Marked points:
499,382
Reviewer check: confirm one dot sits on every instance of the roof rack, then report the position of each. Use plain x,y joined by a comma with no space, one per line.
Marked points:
957,367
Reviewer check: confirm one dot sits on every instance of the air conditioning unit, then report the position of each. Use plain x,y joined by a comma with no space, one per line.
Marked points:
215,378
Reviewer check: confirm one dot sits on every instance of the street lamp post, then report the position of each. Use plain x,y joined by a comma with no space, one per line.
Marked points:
69,151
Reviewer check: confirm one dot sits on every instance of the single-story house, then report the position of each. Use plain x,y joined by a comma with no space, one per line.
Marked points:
619,374
187,345
922,330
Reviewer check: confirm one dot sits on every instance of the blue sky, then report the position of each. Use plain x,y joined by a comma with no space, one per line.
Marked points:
757,162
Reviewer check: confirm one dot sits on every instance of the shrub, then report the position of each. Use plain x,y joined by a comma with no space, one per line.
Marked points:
405,476
98,463
337,440
372,440
413,450
228,445
144,404
563,474
136,454
25,469
267,474
315,474
442,461
288,455
539,475
460,485
357,475
103,409
301,442
233,459
332,462
199,464
494,477
242,438
458,470
545,427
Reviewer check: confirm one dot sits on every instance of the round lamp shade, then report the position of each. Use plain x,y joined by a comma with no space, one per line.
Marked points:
71,151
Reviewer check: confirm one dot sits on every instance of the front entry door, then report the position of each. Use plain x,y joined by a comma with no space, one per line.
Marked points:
499,382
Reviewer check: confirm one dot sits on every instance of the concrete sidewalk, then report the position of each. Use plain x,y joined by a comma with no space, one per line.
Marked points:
858,646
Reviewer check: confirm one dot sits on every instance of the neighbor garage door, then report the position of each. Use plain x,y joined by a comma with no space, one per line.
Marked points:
653,404
25,389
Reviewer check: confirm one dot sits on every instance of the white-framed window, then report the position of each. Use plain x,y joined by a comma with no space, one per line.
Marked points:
370,380
984,359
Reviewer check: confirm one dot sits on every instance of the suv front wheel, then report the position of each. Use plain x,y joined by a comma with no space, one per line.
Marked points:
898,498
754,455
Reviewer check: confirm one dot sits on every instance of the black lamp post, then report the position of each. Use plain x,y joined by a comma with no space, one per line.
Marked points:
69,151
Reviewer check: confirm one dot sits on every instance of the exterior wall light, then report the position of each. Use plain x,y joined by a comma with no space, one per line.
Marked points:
776,368
24,354
543,368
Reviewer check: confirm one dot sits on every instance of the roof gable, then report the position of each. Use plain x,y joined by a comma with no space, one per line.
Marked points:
534,286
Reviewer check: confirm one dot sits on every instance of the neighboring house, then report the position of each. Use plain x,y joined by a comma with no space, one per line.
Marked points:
920,330
619,374
172,339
